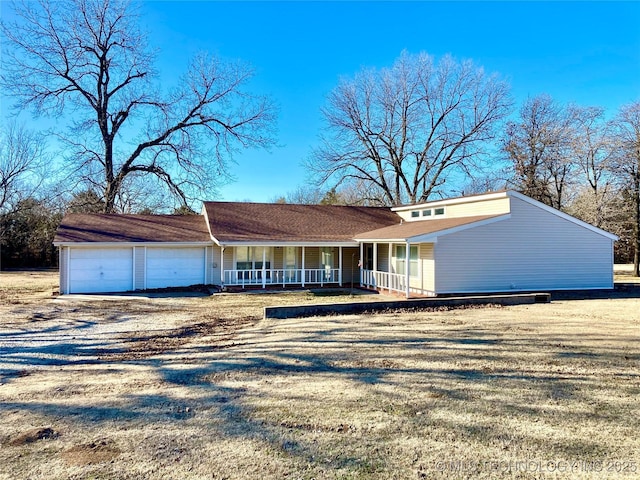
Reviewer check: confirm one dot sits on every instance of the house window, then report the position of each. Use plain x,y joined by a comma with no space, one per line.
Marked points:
401,256
291,264
326,262
439,211
250,258
415,214
426,213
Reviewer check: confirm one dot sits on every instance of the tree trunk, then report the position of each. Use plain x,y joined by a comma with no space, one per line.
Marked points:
636,225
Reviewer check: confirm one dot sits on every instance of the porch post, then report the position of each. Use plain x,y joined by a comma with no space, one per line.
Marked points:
392,280
303,273
407,269
375,256
264,267
68,282
340,266
222,266
361,263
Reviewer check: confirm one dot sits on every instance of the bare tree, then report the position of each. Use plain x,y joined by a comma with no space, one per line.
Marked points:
21,160
590,150
625,165
537,147
405,129
89,58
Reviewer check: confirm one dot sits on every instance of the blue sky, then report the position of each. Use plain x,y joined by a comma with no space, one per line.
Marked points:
582,52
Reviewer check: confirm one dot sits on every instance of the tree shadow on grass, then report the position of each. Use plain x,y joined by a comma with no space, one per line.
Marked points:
466,373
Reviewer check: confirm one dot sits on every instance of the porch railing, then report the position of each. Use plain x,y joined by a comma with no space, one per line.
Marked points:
284,277
385,280
394,282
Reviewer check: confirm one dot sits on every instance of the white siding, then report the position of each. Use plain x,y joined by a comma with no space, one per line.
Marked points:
63,268
425,279
311,257
208,279
278,258
229,258
140,261
383,257
216,265
494,206
474,207
532,250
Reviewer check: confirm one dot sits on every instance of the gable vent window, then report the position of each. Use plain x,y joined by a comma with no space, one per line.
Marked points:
426,213
415,214
439,211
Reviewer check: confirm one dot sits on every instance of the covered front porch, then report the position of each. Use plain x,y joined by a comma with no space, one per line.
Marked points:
400,267
287,265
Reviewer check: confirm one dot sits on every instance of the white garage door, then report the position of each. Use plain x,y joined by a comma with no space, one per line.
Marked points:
175,267
94,270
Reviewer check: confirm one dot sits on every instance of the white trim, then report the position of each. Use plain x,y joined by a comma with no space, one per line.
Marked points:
407,269
303,252
68,270
222,266
206,219
382,240
361,262
254,243
131,244
133,268
145,267
340,266
206,265
560,214
374,264
264,268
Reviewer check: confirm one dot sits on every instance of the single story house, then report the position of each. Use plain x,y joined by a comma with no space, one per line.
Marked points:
494,242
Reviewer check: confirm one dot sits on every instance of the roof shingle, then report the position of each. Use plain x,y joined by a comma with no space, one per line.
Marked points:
275,222
78,228
407,230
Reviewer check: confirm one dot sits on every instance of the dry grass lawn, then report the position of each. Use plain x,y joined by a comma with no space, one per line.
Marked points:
204,388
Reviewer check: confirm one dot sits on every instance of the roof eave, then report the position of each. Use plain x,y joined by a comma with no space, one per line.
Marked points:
131,244
293,243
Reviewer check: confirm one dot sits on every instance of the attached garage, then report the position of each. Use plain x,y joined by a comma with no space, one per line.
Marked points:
102,253
94,270
175,267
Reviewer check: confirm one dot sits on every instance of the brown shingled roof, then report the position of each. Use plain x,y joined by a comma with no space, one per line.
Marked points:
244,222
132,228
407,230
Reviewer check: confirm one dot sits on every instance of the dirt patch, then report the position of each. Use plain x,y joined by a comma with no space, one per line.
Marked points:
91,453
33,436
141,346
